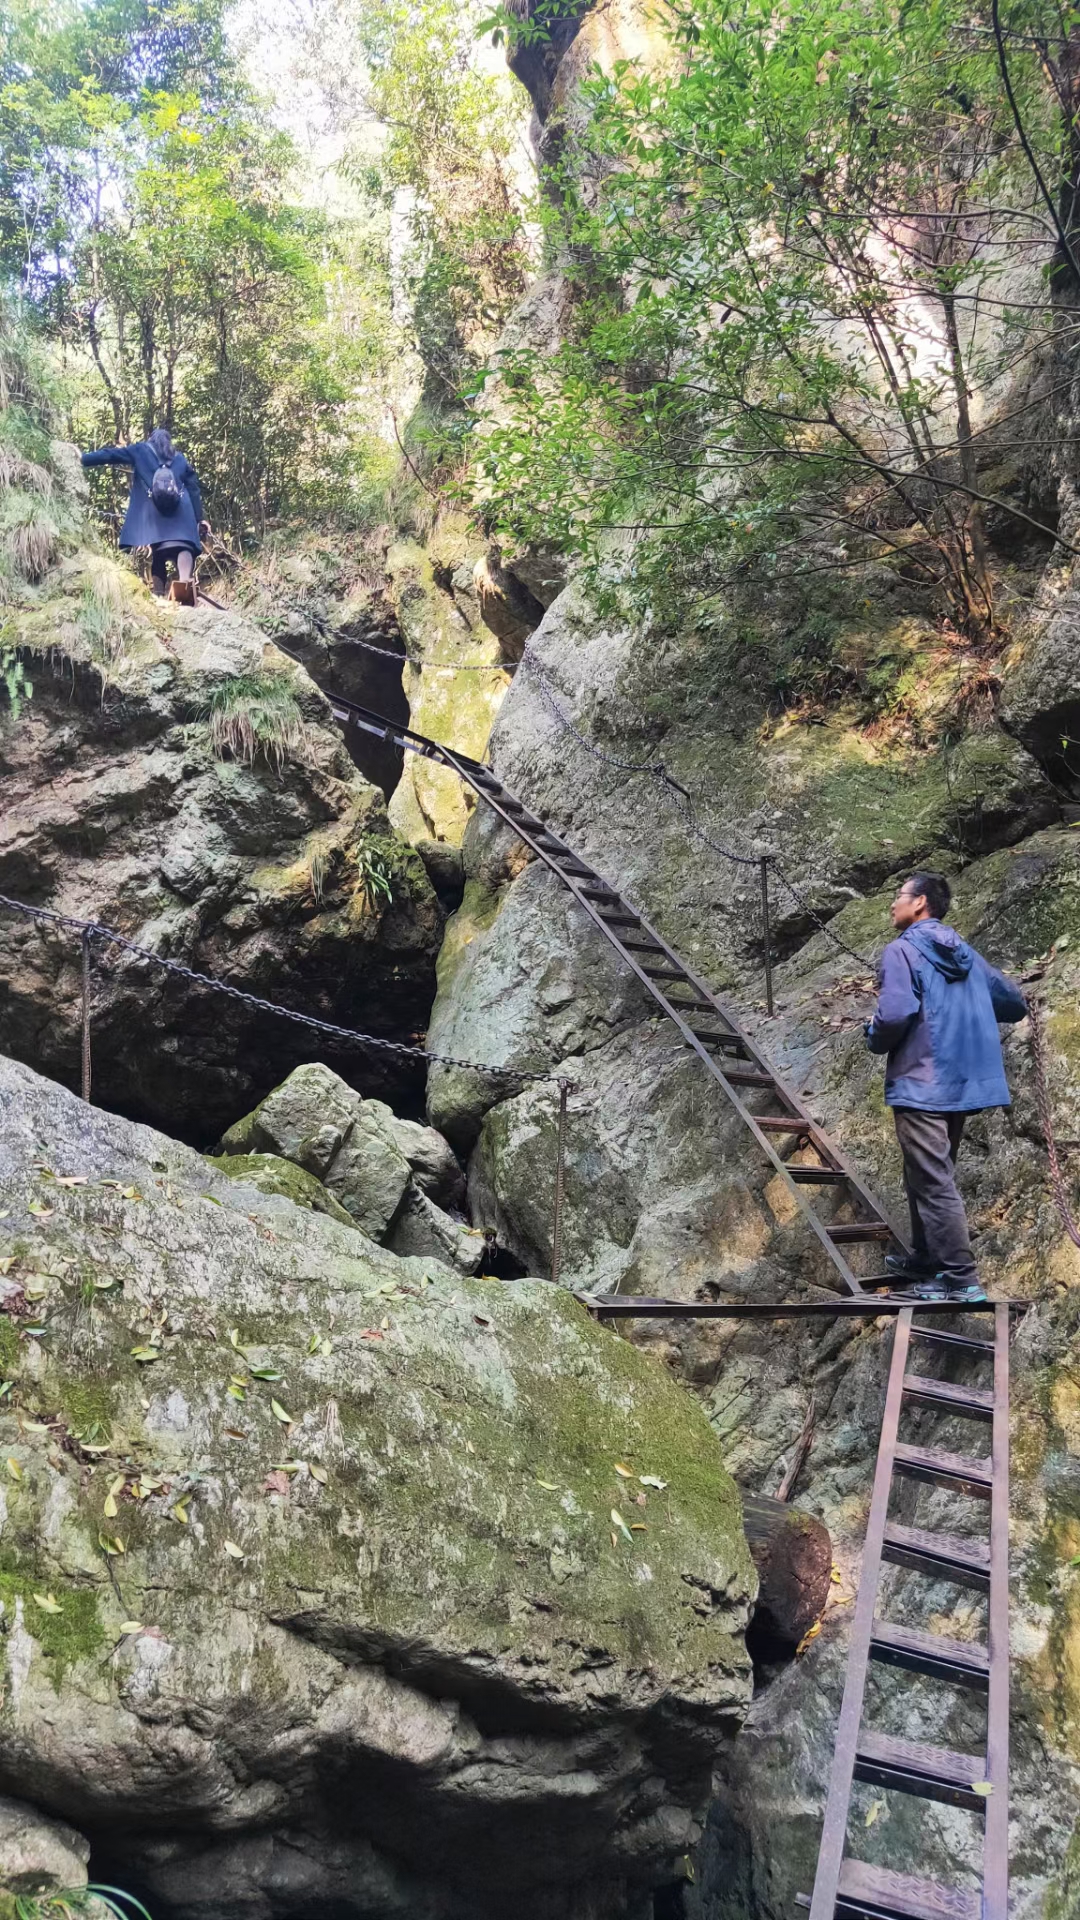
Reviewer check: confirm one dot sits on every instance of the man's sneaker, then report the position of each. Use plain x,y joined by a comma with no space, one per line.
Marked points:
974,1290
909,1266
929,1290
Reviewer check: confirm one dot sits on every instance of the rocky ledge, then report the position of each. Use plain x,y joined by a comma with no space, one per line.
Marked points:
331,1578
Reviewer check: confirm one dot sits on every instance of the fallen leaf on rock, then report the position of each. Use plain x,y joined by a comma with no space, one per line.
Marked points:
132,1626
234,1552
43,1212
482,1320
549,1486
36,1293
180,1511
71,1180
279,1413
111,1543
5,1388
265,1373
117,1487
118,1184
638,1526
650,1480
276,1482
625,1473
319,1474
234,1433
874,1812
14,1467
48,1602
983,1788
288,1466
371,1333
144,1355
810,1634
130,1193
8,1262
107,1280
836,1576
34,1426
620,1523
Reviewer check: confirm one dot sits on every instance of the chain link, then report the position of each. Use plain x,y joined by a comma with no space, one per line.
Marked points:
1046,1118
108,937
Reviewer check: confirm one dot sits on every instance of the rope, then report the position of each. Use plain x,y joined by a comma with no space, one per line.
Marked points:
1046,1119
91,930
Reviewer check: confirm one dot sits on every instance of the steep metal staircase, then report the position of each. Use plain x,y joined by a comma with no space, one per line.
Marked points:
842,1213
839,1208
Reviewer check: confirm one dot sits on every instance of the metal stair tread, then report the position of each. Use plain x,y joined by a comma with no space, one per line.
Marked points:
942,1337
914,1766
902,1896
895,1644
936,1463
976,1402
942,1555
859,1230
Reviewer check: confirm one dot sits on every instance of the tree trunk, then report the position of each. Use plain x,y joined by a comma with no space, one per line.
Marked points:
792,1552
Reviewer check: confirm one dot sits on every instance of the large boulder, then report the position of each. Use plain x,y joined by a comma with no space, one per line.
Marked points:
368,1161
175,778
38,1856
322,1585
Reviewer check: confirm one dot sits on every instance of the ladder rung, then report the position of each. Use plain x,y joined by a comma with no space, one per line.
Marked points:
693,1006
966,1664
664,973
728,1040
900,1896
944,1556
941,1338
945,1469
909,1766
599,892
860,1230
621,919
816,1176
781,1123
747,1077
977,1403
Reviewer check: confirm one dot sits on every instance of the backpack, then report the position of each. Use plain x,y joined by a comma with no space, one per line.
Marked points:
164,491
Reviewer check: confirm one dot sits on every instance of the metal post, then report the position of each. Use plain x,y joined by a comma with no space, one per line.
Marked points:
86,1013
766,935
560,1167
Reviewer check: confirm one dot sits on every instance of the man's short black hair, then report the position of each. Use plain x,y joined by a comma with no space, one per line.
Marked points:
936,889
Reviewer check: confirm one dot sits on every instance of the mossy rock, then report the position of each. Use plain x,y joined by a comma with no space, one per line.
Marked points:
271,1174
364,1509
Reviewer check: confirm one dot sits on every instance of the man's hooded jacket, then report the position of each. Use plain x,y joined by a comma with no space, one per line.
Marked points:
937,1019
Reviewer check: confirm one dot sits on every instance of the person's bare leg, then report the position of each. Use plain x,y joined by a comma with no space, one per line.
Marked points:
185,564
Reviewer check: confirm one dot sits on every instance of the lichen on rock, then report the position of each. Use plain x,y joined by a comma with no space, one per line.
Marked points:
446,1602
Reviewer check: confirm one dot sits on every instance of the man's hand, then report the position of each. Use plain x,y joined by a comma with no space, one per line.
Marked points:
204,529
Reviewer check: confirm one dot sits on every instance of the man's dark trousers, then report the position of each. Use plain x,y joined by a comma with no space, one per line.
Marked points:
929,1143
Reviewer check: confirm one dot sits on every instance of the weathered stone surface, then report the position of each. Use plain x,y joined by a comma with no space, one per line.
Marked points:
435,1166
421,1228
347,1143
429,1683
1040,699
118,808
38,1855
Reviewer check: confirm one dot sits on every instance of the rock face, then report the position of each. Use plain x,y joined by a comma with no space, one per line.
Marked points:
411,1672
367,1165
38,1856
189,788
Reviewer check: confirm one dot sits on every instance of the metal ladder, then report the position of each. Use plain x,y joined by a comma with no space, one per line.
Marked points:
834,1200
848,1887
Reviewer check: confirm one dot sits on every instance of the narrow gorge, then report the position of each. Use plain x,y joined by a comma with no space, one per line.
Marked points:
347,1566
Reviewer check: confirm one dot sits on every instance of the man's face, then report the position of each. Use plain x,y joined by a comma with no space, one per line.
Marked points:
907,907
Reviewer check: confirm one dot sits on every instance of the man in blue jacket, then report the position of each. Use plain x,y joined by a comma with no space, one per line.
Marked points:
937,1020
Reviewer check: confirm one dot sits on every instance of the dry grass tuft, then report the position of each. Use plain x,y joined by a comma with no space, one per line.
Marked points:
255,716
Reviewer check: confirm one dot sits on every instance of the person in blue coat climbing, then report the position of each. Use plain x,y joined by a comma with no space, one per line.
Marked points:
165,508
937,1020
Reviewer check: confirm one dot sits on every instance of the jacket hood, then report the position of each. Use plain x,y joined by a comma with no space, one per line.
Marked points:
943,947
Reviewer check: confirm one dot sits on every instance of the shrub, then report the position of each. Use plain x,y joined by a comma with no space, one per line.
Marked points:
256,714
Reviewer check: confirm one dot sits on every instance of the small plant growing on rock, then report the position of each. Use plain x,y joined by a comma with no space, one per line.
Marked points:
374,879
68,1901
256,714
